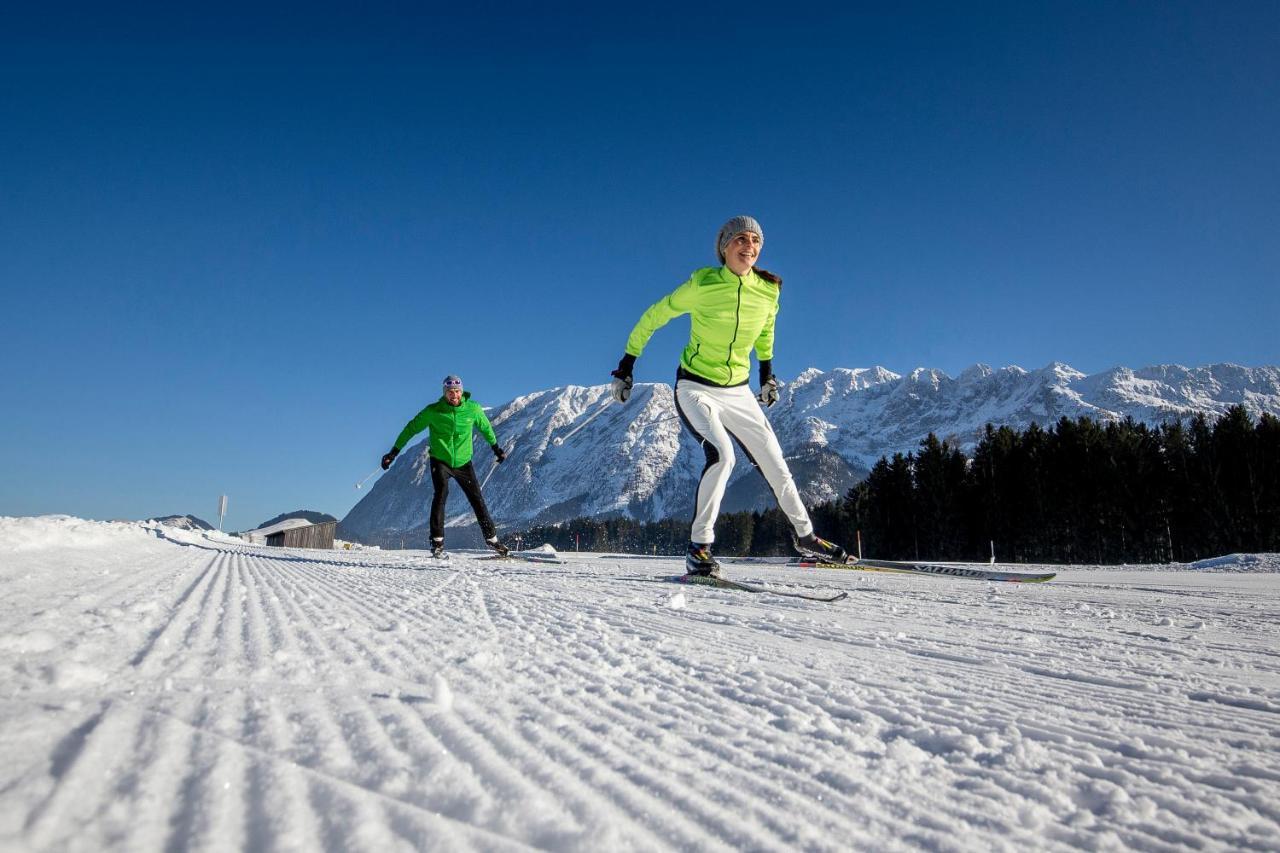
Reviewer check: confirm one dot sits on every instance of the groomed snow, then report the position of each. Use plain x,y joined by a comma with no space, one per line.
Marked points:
167,689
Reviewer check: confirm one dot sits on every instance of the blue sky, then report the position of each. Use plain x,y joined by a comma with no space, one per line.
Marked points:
239,249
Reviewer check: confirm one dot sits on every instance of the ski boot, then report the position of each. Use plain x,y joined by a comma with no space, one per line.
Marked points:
493,543
437,548
699,561
820,549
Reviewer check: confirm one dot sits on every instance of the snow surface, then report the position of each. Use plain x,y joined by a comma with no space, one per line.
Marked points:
166,689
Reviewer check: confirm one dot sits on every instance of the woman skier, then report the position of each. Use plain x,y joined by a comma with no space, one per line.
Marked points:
451,420
732,308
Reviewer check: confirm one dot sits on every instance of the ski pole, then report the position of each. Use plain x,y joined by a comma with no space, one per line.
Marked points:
560,439
366,479
490,474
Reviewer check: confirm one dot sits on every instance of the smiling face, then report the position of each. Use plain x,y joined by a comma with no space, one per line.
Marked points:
742,252
453,396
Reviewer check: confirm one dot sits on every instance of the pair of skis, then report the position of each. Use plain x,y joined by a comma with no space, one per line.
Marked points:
524,557
893,566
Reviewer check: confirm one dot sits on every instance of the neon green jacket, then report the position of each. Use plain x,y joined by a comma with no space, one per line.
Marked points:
451,426
729,315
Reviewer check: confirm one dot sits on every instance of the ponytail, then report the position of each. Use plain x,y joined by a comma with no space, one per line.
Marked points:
772,278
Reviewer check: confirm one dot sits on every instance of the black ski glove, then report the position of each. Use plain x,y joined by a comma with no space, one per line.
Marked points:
622,378
389,458
768,385
500,454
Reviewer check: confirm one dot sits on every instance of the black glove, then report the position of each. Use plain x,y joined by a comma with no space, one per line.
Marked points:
389,458
500,454
768,385
622,378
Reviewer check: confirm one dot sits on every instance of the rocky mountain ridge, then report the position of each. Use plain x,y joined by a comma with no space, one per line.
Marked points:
573,452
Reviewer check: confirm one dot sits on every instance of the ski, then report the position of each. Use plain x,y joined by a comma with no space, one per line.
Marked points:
525,558
725,583
932,569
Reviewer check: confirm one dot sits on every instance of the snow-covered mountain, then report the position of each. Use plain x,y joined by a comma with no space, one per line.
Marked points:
184,522
310,516
572,452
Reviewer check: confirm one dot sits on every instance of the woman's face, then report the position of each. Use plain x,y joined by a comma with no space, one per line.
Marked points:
741,253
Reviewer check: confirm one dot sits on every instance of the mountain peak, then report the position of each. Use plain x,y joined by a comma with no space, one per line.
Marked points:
308,515
975,373
1061,371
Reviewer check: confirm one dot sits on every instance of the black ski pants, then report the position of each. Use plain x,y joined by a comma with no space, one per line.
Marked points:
441,473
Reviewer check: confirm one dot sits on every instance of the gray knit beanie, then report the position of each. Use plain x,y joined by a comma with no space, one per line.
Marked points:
733,228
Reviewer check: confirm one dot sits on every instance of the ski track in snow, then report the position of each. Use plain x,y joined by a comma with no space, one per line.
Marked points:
199,694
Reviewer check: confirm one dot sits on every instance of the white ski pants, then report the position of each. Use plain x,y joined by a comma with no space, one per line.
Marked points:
717,417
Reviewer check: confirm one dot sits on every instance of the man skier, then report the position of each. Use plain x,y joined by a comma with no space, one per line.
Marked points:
451,420
732,308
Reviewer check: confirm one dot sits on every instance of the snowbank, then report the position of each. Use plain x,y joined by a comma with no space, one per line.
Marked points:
344,545
1240,563
63,531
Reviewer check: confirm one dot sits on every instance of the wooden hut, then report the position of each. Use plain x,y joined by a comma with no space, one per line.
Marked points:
310,536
